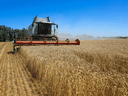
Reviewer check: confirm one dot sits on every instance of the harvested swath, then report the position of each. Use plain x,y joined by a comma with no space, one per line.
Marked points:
15,79
2,46
1,43
96,67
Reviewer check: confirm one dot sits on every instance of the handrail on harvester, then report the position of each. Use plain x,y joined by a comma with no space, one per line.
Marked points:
44,42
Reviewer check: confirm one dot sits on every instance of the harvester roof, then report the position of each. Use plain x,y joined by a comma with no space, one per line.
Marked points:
43,20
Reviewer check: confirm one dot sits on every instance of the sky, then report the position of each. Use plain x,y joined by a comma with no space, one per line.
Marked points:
102,18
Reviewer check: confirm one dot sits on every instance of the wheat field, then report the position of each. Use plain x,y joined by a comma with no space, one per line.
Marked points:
95,68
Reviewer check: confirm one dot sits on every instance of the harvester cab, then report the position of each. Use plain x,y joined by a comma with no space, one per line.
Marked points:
42,28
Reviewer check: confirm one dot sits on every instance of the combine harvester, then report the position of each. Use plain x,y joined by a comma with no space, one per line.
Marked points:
39,33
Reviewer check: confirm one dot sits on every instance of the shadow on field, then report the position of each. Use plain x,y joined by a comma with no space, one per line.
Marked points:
11,52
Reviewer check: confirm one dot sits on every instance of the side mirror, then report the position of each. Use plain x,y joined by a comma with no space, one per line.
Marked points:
32,25
56,25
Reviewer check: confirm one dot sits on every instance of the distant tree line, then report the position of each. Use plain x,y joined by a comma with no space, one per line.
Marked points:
8,33
126,37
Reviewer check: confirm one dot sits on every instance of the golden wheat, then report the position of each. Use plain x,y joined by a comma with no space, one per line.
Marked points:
95,68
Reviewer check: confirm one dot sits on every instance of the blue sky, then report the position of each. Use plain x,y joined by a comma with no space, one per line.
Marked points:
74,17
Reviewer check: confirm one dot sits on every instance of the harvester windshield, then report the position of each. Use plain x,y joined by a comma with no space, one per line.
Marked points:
44,29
